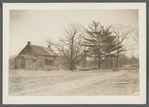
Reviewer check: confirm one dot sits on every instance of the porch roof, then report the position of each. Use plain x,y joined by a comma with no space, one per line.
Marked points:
50,58
28,56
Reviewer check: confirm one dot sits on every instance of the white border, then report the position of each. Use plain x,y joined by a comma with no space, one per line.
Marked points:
141,99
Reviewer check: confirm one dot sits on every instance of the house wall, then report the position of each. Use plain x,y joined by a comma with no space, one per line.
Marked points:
20,62
31,64
40,62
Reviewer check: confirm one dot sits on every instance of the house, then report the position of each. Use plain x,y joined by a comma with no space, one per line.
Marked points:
34,57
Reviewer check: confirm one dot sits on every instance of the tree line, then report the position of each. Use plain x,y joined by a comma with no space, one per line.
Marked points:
103,43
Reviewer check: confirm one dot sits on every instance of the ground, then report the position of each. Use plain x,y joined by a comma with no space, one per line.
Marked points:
73,83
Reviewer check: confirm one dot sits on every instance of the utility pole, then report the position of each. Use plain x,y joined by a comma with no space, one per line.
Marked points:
131,56
85,56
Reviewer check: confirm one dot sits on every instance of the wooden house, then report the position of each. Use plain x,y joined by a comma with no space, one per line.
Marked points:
34,57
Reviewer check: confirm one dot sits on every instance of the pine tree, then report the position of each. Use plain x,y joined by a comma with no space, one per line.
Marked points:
111,47
96,34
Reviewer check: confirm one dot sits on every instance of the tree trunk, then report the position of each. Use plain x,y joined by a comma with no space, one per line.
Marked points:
108,62
99,60
71,66
111,61
84,62
117,62
99,63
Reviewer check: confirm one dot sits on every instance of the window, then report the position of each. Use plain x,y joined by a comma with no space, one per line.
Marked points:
49,62
34,60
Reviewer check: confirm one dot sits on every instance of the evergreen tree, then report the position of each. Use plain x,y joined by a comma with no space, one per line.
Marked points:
105,45
96,34
111,47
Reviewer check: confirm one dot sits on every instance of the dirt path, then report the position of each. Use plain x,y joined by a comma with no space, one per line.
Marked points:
63,88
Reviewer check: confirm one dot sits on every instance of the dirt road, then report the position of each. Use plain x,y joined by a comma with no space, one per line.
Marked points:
64,83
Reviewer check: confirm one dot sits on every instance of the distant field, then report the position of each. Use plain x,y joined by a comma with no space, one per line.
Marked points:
91,82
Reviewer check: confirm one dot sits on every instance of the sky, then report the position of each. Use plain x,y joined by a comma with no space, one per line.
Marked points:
37,26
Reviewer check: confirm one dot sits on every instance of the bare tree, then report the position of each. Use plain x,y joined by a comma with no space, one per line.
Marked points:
134,46
71,45
136,38
122,33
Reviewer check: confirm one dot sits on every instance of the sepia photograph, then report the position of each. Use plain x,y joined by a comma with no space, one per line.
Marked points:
74,52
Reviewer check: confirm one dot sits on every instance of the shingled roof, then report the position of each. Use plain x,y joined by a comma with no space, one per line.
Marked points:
40,50
43,50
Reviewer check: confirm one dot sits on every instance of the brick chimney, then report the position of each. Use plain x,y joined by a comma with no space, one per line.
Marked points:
29,43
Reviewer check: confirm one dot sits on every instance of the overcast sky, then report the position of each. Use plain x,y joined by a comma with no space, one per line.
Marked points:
38,25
